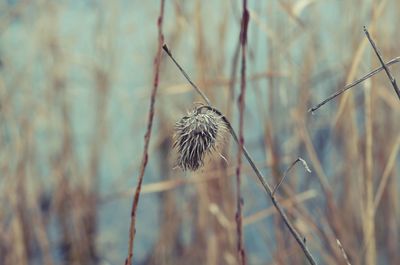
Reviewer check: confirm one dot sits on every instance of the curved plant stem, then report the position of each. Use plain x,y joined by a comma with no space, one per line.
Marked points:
267,188
299,159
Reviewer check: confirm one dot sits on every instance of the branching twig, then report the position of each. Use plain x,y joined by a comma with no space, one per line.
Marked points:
259,175
157,61
391,78
365,77
299,159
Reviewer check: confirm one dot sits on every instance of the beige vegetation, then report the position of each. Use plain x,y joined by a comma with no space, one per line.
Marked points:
75,86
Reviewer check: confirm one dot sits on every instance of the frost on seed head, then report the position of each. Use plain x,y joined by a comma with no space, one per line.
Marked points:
196,135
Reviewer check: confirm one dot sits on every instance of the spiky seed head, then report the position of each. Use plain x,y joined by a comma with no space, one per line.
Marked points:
196,135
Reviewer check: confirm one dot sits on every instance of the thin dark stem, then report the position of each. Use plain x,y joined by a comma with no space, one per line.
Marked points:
198,90
157,62
365,77
391,78
241,104
259,175
299,159
268,190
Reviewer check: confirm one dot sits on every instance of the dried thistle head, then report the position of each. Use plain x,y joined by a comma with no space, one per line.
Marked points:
197,134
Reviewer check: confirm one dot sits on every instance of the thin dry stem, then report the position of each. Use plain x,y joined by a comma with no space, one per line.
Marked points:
343,252
241,103
157,62
268,190
201,93
387,172
369,215
391,78
299,159
347,87
261,178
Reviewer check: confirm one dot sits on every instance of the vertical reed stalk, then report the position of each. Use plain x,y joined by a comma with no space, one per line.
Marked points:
157,61
241,103
369,217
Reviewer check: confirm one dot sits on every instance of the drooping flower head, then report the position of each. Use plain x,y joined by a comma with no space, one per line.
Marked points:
196,135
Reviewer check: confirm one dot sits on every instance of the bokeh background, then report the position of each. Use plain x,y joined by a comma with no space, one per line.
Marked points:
75,82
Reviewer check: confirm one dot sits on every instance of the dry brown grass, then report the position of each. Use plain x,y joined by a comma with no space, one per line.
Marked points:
73,102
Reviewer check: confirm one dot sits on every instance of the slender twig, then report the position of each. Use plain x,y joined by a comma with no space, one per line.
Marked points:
260,177
241,104
343,252
391,78
299,159
344,89
157,61
198,90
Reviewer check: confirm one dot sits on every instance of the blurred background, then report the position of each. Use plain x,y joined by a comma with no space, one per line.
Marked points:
75,83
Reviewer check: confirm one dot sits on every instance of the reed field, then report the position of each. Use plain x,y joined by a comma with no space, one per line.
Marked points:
177,132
